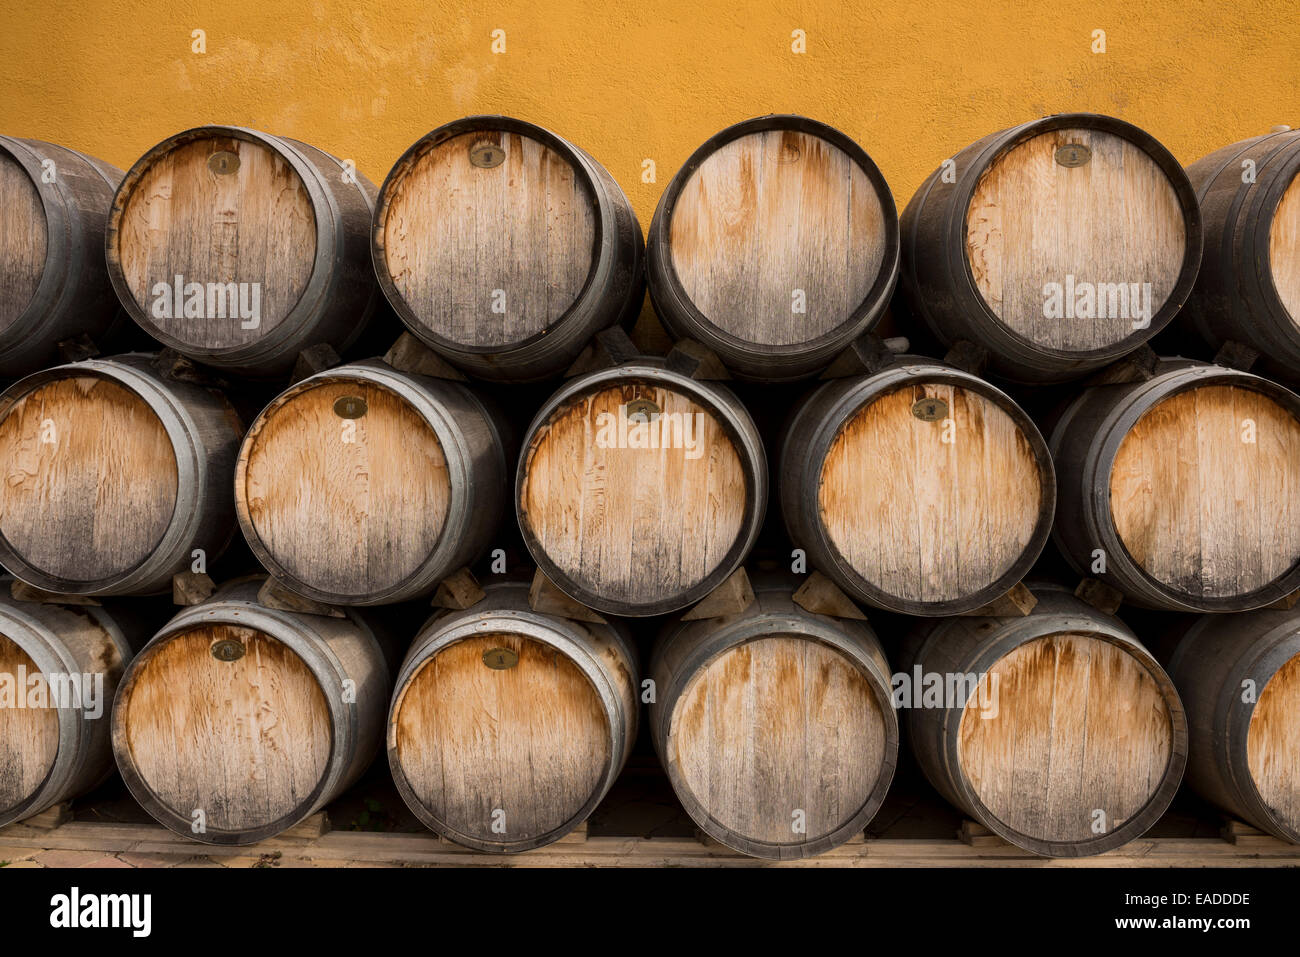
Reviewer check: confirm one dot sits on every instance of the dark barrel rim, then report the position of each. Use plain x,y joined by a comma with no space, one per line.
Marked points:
326,241
483,123
1157,802
666,288
168,816
1129,575
872,388
734,420
959,207
744,630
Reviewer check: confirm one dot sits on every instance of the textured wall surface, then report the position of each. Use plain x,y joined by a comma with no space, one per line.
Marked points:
636,79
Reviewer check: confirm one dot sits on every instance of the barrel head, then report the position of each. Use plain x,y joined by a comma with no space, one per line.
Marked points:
500,741
488,236
91,478
1202,491
227,721
1069,739
23,238
1087,214
213,239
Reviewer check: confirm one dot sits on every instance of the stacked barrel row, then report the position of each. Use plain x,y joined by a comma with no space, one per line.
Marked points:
922,483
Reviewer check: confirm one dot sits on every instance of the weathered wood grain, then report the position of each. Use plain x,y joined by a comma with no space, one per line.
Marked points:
22,239
1271,752
349,512
245,741
1057,730
769,213
1080,727
531,741
1197,505
774,726
637,525
1284,250
509,724
253,225
1033,221
455,233
930,510
89,478
29,736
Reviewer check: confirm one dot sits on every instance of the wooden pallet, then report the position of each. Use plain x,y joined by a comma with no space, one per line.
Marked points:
1240,846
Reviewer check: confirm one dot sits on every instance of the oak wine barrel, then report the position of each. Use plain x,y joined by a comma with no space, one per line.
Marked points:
919,489
363,485
237,721
1180,490
1057,731
239,249
1248,288
1239,677
54,731
508,727
53,284
775,725
505,248
639,490
1057,246
776,245
114,476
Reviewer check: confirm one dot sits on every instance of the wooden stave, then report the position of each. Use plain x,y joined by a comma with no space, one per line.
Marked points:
939,287
205,432
340,298
475,439
1234,298
730,412
804,446
506,608
754,361
75,296
70,640
611,296
683,647
1084,443
334,649
1210,662
973,645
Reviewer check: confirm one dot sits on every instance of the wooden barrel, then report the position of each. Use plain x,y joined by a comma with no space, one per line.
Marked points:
1057,731
53,283
639,489
1248,288
240,249
1180,490
1056,246
54,740
237,721
114,477
508,727
776,246
363,485
1239,677
919,489
506,248
775,725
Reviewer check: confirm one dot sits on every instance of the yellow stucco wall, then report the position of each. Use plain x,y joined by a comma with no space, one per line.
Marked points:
911,81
